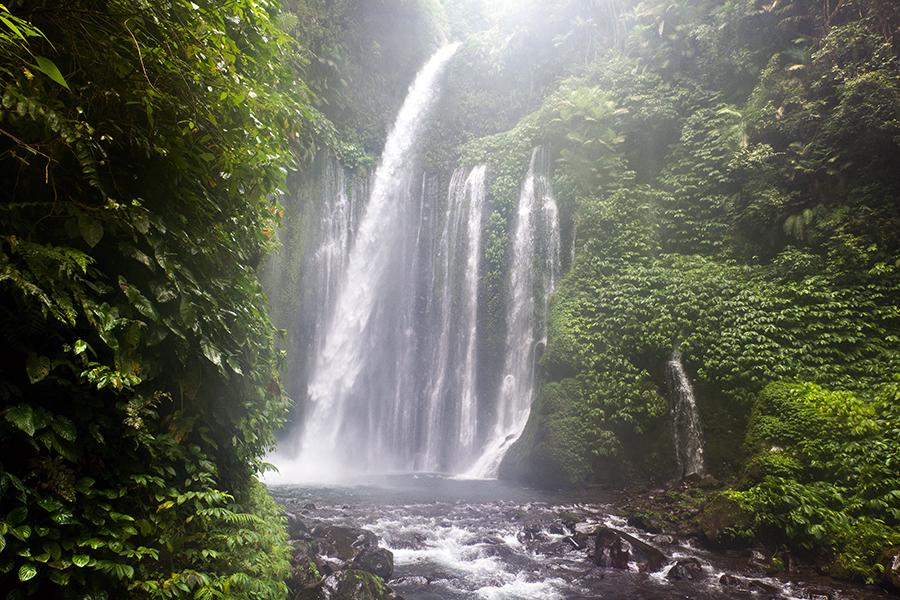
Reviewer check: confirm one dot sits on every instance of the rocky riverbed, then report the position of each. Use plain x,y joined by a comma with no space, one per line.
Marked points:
429,538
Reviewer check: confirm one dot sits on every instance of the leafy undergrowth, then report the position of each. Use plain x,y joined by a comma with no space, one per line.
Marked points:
822,476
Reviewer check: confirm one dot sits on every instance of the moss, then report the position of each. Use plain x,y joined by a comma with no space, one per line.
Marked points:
354,584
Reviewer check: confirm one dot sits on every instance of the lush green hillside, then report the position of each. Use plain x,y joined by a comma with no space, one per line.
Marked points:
731,172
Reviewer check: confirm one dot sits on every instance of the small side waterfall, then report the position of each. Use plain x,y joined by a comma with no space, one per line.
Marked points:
535,268
685,419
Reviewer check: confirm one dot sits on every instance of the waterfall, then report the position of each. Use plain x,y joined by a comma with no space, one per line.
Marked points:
363,387
391,380
536,242
452,399
685,419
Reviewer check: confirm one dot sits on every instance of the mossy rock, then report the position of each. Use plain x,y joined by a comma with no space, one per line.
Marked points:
356,584
722,520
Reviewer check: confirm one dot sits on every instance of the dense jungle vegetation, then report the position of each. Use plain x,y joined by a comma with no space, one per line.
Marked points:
728,173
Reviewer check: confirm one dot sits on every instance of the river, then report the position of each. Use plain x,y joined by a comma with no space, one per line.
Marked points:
456,539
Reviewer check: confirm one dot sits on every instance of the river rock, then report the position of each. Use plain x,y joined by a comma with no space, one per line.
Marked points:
721,516
354,549
686,569
646,522
759,564
890,560
296,527
307,570
355,584
578,541
379,561
617,549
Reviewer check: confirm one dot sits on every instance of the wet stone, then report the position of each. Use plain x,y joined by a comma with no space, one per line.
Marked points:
619,550
729,580
686,569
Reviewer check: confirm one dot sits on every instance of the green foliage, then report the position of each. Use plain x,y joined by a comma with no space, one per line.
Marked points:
138,384
840,498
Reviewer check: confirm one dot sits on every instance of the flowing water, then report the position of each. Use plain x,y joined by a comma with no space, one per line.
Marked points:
536,239
393,380
458,539
685,419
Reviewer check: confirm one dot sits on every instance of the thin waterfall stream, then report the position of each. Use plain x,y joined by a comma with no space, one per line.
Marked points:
687,432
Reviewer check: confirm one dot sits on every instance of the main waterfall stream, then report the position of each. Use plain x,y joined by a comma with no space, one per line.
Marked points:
391,379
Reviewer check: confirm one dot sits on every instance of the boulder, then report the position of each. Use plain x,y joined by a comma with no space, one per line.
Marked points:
686,569
297,529
890,561
617,549
349,547
722,516
307,570
345,543
379,561
646,522
578,541
729,580
355,584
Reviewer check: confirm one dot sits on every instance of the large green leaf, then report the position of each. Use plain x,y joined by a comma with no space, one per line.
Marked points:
37,367
27,571
49,68
90,229
22,417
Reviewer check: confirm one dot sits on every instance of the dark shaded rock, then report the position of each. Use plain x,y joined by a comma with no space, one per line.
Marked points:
763,588
818,594
532,529
686,569
349,547
665,540
720,518
709,482
492,545
646,522
296,528
579,541
307,570
693,479
345,543
729,580
557,529
616,549
354,584
890,560
379,561
760,564
407,540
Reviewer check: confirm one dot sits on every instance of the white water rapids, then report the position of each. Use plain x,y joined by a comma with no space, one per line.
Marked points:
488,540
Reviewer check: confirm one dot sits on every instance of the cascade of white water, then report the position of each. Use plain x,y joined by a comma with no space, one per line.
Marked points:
358,413
452,401
685,419
536,241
